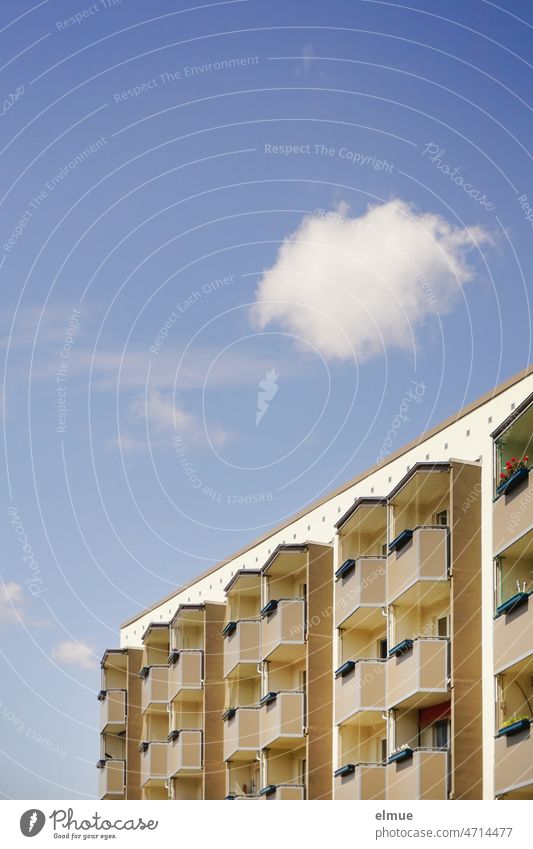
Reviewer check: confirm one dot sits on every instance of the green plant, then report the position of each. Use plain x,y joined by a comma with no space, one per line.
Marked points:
514,719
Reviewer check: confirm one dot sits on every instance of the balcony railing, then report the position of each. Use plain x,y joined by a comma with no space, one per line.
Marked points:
283,629
112,710
289,792
360,691
281,721
185,671
424,558
419,675
154,687
423,774
111,778
512,513
242,643
360,781
359,589
154,761
241,733
184,754
513,634
513,755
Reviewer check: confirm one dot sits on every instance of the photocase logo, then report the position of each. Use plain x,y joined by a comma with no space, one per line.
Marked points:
32,822
267,390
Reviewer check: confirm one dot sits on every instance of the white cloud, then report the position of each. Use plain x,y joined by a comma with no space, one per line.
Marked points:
11,601
307,56
73,653
356,286
163,415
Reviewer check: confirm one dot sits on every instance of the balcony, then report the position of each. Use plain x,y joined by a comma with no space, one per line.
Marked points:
241,733
513,755
154,687
425,557
185,674
359,781
360,692
512,512
417,673
112,711
288,792
111,778
184,752
422,774
360,592
281,722
513,633
283,629
154,761
242,640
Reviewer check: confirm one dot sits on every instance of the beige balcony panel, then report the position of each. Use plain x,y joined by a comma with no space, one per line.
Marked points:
241,734
367,781
186,673
513,764
287,792
281,722
154,688
243,645
111,779
512,515
424,558
513,636
185,753
283,631
419,677
113,711
361,592
154,762
423,776
361,693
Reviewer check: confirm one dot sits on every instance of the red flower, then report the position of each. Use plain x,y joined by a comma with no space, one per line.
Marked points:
513,459
502,475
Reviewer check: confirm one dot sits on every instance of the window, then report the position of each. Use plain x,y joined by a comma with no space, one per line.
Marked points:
384,750
384,549
302,770
440,734
382,647
442,626
441,518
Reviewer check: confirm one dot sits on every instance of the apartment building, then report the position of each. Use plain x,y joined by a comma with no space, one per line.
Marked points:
378,645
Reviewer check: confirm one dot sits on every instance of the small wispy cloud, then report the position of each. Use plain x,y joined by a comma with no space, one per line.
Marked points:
11,604
307,56
72,653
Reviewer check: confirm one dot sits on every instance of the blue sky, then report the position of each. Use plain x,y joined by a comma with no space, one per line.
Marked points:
309,204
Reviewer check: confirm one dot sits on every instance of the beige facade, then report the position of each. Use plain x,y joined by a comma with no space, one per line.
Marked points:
390,659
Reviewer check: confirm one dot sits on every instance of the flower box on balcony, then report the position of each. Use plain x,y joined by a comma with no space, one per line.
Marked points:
346,567
346,667
512,603
402,755
268,790
401,648
347,769
268,698
513,481
514,727
173,736
269,608
401,540
228,714
229,629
